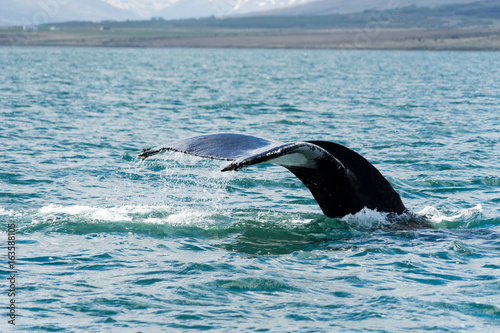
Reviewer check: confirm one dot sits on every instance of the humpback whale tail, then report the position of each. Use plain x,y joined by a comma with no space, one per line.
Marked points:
341,181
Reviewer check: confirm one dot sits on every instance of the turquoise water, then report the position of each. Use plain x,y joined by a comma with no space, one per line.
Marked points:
105,242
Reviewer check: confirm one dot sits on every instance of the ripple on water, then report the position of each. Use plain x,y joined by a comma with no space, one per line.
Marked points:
106,242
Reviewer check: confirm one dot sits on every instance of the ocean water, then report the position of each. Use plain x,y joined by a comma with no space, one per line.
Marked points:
107,243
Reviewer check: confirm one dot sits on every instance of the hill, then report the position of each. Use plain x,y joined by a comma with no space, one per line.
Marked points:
332,7
483,14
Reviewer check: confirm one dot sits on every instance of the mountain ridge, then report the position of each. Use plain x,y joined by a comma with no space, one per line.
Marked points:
462,13
334,7
36,12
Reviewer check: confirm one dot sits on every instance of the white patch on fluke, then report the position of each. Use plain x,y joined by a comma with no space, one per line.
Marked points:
293,160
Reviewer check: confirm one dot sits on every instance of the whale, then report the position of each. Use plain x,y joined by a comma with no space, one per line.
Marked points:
341,181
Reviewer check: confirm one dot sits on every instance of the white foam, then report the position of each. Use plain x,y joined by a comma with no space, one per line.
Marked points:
184,217
4,211
128,213
367,219
437,216
112,214
94,213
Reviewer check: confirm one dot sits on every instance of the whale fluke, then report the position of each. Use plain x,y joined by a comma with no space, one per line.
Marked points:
342,181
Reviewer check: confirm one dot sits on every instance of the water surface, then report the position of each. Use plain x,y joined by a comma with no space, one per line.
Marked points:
106,242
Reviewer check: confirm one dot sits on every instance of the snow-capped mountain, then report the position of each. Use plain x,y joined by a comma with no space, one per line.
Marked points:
219,8
35,12
175,9
144,8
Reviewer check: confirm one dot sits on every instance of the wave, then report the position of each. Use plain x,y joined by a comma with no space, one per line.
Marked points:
6,212
139,217
250,231
455,218
364,220
127,213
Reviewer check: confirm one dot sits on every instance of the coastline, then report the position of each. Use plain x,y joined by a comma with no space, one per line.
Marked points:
379,39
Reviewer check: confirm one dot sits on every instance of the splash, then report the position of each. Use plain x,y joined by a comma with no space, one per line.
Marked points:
126,213
367,219
439,216
93,213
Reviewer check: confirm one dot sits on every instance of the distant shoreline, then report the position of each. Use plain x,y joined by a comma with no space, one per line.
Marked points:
379,39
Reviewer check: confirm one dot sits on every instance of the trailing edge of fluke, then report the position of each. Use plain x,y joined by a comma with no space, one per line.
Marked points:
342,181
